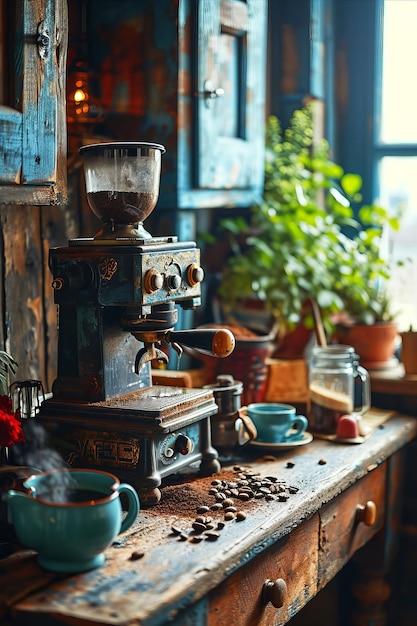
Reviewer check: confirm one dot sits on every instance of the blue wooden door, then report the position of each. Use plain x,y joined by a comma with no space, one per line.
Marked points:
231,93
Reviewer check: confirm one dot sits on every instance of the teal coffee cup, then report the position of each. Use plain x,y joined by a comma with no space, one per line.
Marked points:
70,517
277,423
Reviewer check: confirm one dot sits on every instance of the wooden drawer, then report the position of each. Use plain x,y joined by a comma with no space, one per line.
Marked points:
342,532
306,560
238,601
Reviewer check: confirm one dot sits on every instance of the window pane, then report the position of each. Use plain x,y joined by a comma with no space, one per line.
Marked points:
399,86
398,190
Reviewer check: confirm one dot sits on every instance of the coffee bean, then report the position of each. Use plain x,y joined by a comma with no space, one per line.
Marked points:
220,525
240,516
290,464
212,535
244,497
230,509
213,491
196,538
264,489
203,509
228,502
283,497
322,462
175,530
292,489
201,519
198,527
216,506
229,516
136,555
183,537
216,483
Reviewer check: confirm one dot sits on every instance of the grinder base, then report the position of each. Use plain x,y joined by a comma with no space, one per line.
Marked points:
141,437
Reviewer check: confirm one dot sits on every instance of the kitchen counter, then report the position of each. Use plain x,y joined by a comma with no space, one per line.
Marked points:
329,500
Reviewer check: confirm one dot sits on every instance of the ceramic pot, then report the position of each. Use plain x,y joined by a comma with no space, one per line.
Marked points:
409,352
374,344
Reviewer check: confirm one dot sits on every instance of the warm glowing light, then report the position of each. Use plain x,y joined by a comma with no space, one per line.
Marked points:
80,95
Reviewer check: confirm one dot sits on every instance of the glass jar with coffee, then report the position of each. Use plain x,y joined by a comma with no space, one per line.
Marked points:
338,386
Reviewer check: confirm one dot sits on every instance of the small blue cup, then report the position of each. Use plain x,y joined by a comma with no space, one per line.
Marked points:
277,423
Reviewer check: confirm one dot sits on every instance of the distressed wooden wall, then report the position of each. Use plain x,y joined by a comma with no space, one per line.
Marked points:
28,328
28,313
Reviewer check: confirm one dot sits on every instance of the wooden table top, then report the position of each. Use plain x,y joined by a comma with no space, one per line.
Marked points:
151,573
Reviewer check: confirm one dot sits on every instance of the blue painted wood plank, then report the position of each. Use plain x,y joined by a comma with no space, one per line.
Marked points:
10,145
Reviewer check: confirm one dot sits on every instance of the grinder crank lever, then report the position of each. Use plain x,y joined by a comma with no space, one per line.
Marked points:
218,342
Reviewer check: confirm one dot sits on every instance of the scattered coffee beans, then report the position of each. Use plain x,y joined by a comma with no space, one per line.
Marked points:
247,485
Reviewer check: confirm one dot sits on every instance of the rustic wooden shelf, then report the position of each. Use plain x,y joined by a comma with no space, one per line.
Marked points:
393,381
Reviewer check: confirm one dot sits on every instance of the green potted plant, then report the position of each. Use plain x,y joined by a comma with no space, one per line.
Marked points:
304,241
367,321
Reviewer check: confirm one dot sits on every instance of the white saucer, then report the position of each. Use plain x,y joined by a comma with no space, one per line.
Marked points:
284,445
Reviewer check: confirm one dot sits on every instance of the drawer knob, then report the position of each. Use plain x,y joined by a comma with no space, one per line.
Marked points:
366,513
274,591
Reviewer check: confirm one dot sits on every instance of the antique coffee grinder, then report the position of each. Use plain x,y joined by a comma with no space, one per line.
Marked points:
117,295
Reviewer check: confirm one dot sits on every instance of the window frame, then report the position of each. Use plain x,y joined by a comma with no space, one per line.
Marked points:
33,129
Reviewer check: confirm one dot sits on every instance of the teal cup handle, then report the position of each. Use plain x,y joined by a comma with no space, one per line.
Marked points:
134,506
300,423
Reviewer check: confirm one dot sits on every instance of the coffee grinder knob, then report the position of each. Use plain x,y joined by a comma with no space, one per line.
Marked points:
195,274
153,281
183,445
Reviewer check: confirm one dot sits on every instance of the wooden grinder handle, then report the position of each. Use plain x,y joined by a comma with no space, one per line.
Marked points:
218,342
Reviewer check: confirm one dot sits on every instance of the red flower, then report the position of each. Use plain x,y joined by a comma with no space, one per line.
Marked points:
11,431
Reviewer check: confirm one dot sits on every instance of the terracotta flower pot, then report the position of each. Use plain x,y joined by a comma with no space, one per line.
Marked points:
374,344
409,352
